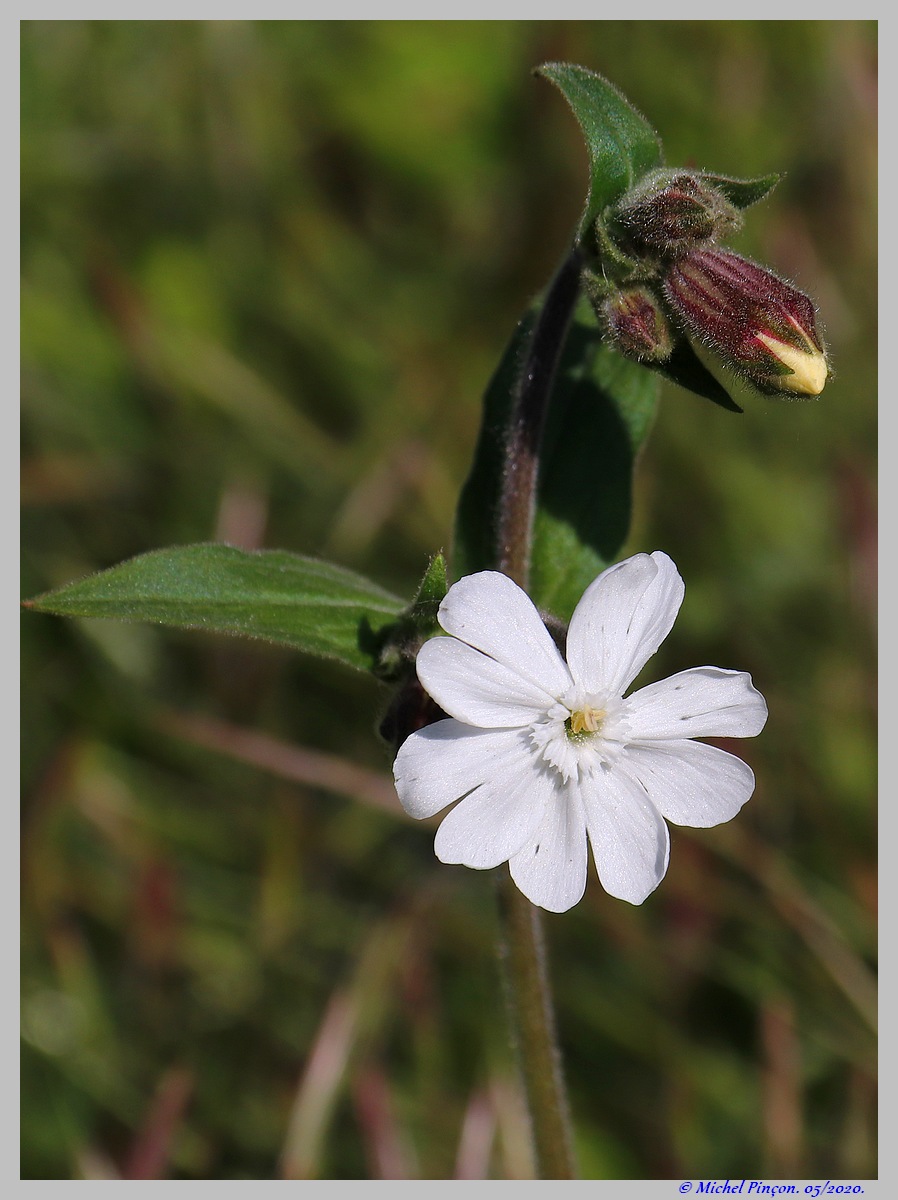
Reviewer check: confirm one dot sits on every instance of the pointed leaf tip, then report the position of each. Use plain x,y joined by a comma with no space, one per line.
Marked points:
621,144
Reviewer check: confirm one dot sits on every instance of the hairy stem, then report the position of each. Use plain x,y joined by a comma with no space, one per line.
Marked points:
533,1021
524,955
517,500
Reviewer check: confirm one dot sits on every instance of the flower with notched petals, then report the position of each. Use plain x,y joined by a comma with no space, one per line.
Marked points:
545,756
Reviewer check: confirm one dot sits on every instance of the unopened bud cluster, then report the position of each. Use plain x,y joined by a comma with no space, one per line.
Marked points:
664,278
670,212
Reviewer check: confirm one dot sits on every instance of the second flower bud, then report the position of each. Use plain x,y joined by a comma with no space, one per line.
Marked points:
636,325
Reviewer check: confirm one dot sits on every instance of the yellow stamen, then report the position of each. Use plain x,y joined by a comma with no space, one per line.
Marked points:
586,720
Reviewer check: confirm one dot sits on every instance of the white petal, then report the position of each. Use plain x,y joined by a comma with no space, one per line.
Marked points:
493,822
690,783
703,702
476,689
550,869
491,613
622,618
629,838
444,761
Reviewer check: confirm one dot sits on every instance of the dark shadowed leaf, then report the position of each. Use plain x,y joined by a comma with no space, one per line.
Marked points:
601,411
686,369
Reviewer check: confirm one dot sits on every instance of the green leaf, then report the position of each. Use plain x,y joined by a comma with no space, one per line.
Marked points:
269,594
742,192
601,411
622,146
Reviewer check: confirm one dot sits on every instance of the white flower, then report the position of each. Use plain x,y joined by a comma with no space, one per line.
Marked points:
541,753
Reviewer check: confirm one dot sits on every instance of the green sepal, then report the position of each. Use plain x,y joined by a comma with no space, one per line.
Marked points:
415,624
601,411
686,369
614,266
429,597
742,193
621,144
273,595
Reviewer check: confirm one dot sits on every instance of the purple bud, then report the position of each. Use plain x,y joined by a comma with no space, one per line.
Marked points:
670,212
636,325
761,326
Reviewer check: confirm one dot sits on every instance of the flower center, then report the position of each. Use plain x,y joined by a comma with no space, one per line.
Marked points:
584,722
581,734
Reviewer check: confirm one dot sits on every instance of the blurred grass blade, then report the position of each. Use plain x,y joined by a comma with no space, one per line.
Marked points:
478,1134
150,1154
299,764
269,594
622,146
843,963
388,1150
319,1088
354,1016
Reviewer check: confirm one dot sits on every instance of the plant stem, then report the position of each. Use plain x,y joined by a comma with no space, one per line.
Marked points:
524,955
530,1002
517,500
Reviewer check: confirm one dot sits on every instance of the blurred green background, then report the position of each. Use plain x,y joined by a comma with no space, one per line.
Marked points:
267,270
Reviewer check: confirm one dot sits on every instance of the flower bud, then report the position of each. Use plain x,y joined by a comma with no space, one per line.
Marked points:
761,326
636,325
670,212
